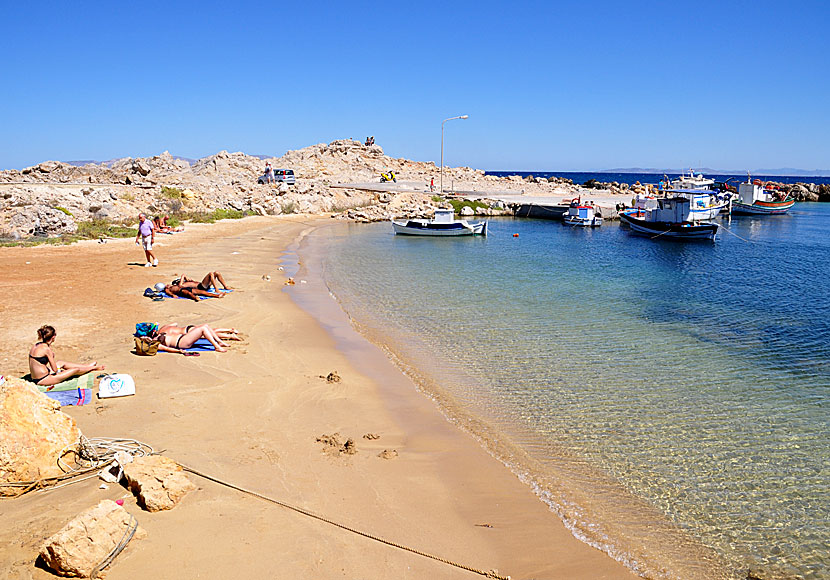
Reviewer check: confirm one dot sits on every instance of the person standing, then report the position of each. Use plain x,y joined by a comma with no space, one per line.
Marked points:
269,173
147,233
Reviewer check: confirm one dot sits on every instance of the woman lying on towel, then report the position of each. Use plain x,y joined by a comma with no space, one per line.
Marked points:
173,340
223,333
45,370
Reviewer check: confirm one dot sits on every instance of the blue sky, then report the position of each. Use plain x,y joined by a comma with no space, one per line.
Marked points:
547,85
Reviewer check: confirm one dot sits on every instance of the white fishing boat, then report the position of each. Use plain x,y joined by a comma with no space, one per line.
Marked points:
672,218
443,224
692,181
705,198
582,214
755,198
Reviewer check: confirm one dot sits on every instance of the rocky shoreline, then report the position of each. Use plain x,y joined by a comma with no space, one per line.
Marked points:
52,198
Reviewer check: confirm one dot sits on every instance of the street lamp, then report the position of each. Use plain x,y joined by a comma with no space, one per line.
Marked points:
441,179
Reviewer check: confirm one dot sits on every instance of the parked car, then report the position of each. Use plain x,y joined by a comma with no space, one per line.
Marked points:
280,175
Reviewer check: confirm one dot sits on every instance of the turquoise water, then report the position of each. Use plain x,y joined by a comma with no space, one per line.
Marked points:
668,400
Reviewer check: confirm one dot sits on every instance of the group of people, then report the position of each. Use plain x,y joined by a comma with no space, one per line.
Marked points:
46,370
370,141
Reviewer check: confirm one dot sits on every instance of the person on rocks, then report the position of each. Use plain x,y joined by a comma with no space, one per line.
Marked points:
44,370
269,173
146,231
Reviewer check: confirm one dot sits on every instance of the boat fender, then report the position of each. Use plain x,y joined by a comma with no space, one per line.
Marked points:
515,235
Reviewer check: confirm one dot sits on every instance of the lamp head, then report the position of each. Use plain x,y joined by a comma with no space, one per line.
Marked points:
464,117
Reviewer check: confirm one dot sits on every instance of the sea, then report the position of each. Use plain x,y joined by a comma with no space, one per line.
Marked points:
669,401
654,178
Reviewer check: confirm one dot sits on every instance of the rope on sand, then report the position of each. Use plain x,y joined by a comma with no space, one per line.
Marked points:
486,574
92,455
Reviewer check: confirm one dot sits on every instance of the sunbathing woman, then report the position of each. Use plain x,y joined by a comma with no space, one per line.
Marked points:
222,333
208,282
45,370
192,293
177,342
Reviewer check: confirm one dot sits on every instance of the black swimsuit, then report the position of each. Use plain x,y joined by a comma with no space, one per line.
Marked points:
44,360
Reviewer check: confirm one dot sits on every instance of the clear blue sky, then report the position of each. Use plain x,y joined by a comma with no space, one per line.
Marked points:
548,85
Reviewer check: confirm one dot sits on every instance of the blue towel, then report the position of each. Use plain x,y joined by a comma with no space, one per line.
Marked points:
75,397
201,345
200,297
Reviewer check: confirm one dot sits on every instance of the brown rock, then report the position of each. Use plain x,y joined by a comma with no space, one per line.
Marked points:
33,432
158,481
85,543
388,454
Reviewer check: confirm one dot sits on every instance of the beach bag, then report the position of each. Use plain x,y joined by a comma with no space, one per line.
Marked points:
116,385
146,346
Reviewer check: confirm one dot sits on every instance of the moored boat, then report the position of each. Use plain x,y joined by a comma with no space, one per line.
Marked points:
754,198
582,214
443,224
706,199
671,219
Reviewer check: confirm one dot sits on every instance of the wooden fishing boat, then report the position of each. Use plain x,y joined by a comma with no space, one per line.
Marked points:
443,224
754,198
582,214
671,219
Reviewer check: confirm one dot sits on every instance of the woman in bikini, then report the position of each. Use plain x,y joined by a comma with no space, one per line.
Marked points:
222,333
175,341
45,370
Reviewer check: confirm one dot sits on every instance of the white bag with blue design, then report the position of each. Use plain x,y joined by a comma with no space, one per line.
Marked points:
116,385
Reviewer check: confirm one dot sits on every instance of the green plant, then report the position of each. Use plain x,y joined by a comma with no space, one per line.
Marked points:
288,207
101,228
437,198
63,209
171,192
128,196
457,204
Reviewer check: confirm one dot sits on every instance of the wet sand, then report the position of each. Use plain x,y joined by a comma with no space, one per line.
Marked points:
252,417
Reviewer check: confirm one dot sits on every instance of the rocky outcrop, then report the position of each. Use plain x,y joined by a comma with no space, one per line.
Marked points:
158,481
83,545
33,432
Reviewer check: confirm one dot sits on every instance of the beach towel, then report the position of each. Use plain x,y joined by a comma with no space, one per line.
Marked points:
200,297
83,382
74,397
201,345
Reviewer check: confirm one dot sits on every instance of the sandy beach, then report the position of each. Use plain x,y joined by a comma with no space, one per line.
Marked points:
252,417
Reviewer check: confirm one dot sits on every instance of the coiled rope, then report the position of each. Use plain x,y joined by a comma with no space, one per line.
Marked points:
305,512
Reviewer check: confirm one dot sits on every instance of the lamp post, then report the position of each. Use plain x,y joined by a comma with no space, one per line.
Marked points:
441,179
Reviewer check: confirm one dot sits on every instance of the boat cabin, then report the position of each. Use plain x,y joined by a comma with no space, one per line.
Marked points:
671,209
444,216
749,193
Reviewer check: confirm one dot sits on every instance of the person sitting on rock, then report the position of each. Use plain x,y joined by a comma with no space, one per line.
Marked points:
44,370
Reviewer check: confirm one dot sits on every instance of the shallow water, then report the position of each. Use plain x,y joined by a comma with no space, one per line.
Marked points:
669,400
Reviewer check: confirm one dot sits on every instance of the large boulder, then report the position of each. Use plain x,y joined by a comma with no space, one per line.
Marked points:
158,481
33,432
85,543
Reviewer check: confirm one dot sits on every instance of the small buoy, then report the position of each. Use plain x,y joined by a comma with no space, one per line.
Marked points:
515,235
119,501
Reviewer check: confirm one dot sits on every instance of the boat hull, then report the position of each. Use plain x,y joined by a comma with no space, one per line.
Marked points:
762,207
423,228
669,230
583,222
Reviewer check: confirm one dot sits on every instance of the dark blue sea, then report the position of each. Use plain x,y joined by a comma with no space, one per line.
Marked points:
669,401
654,178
